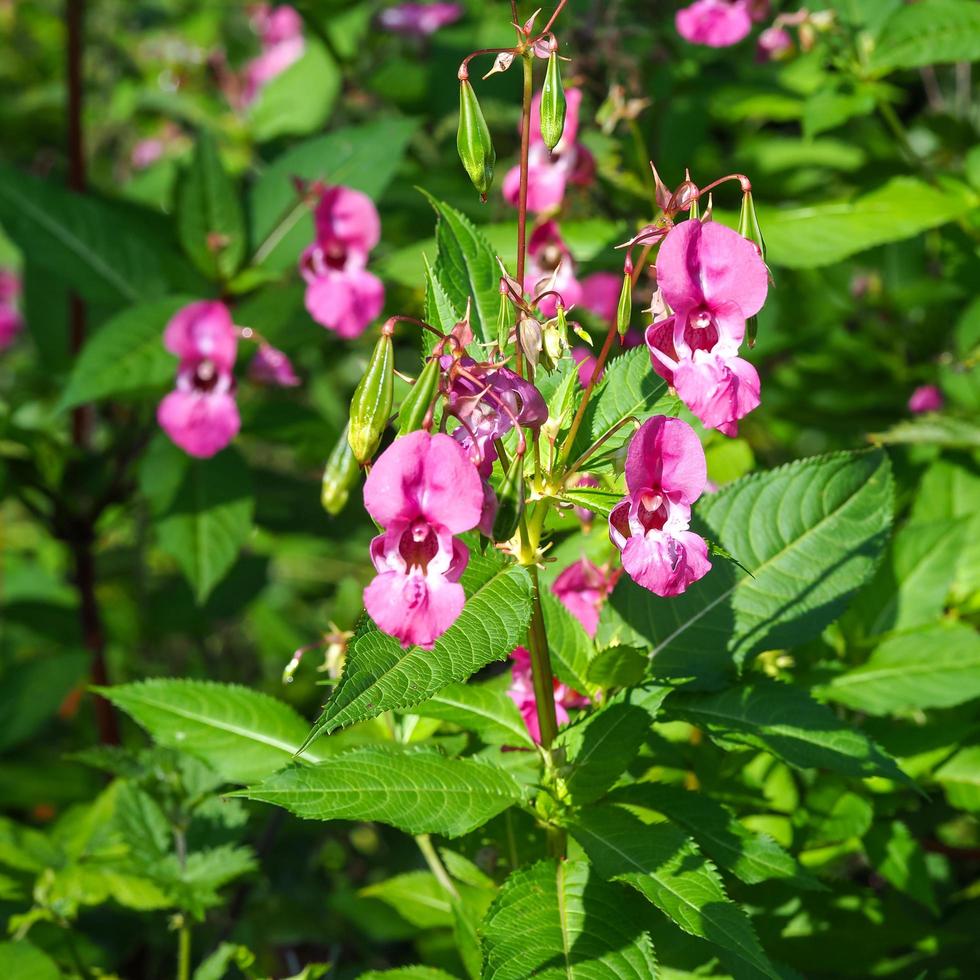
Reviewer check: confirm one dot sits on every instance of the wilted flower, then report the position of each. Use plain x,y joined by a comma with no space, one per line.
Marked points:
582,588
715,23
281,32
419,19
271,366
926,398
521,692
10,318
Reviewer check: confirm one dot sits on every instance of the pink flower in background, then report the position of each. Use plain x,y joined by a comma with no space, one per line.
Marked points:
419,19
422,490
200,415
146,152
521,692
550,266
550,172
600,294
341,294
281,32
773,43
665,474
271,366
10,319
715,23
582,588
926,398
584,357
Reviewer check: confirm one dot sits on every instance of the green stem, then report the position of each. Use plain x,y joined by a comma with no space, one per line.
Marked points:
527,59
184,950
436,866
541,673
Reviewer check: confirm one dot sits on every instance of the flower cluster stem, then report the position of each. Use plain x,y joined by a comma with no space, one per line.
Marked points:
541,674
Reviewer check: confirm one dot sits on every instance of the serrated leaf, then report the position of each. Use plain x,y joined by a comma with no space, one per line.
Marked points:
946,431
408,973
419,790
927,33
125,356
440,310
416,896
899,858
554,920
618,667
570,646
379,674
786,721
960,779
479,708
666,867
598,500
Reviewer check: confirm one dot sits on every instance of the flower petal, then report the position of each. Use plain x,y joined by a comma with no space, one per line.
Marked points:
666,455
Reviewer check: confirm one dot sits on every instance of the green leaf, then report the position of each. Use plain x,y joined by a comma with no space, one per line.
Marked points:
215,966
554,920
208,520
23,961
31,692
281,224
439,309
937,667
927,33
416,896
599,501
379,674
571,647
299,100
408,973
821,234
481,708
210,219
125,356
666,867
418,790
618,667
945,431
897,856
242,734
960,778
785,721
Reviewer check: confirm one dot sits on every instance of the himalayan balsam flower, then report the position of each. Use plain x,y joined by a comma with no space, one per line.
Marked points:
550,266
714,280
419,19
10,319
715,23
774,43
926,398
200,415
341,294
422,490
582,588
521,692
665,474
271,366
281,31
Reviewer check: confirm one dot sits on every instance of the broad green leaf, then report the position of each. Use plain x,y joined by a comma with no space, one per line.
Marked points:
125,356
417,790
937,667
242,734
379,674
960,779
408,973
821,234
560,920
416,896
208,520
833,814
947,431
282,224
785,721
210,219
32,691
299,100
570,646
481,708
618,667
898,857
599,501
215,966
439,308
23,961
927,33
666,867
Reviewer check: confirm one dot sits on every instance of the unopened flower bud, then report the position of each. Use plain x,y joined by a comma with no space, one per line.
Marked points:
510,502
687,192
624,312
529,336
504,318
473,140
371,405
339,475
417,402
552,103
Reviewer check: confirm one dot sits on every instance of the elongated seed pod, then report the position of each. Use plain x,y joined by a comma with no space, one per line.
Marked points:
473,140
748,224
339,475
371,405
624,312
510,502
416,404
552,104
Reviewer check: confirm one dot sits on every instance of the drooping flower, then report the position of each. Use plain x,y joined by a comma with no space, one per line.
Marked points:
582,588
281,32
521,692
773,43
926,398
550,172
271,366
715,23
200,415
550,266
10,318
713,279
665,474
341,294
419,19
422,490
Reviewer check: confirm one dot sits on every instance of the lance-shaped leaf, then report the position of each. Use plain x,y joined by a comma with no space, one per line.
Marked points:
554,920
481,708
571,647
380,674
666,867
420,790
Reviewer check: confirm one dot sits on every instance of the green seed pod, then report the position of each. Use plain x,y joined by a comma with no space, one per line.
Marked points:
371,405
624,312
415,407
339,475
473,140
748,224
552,104
505,316
510,502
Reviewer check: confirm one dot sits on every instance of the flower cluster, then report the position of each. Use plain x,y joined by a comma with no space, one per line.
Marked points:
341,294
10,318
280,31
719,23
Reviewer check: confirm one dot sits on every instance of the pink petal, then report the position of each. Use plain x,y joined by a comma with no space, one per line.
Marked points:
349,217
715,23
202,424
345,301
10,325
203,331
717,390
666,564
926,398
415,608
271,366
586,365
666,455
600,294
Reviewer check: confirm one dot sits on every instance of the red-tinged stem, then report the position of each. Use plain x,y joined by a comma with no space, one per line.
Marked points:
528,65
464,65
547,27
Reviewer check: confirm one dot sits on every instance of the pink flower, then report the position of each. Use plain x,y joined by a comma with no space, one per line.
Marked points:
665,474
521,692
600,294
773,43
926,398
585,359
146,152
281,31
422,490
419,19
550,266
341,294
715,23
200,415
582,588
271,366
10,319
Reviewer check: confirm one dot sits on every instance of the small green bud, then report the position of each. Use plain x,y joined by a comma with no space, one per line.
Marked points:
552,104
473,140
339,475
510,502
416,405
748,224
624,312
371,405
